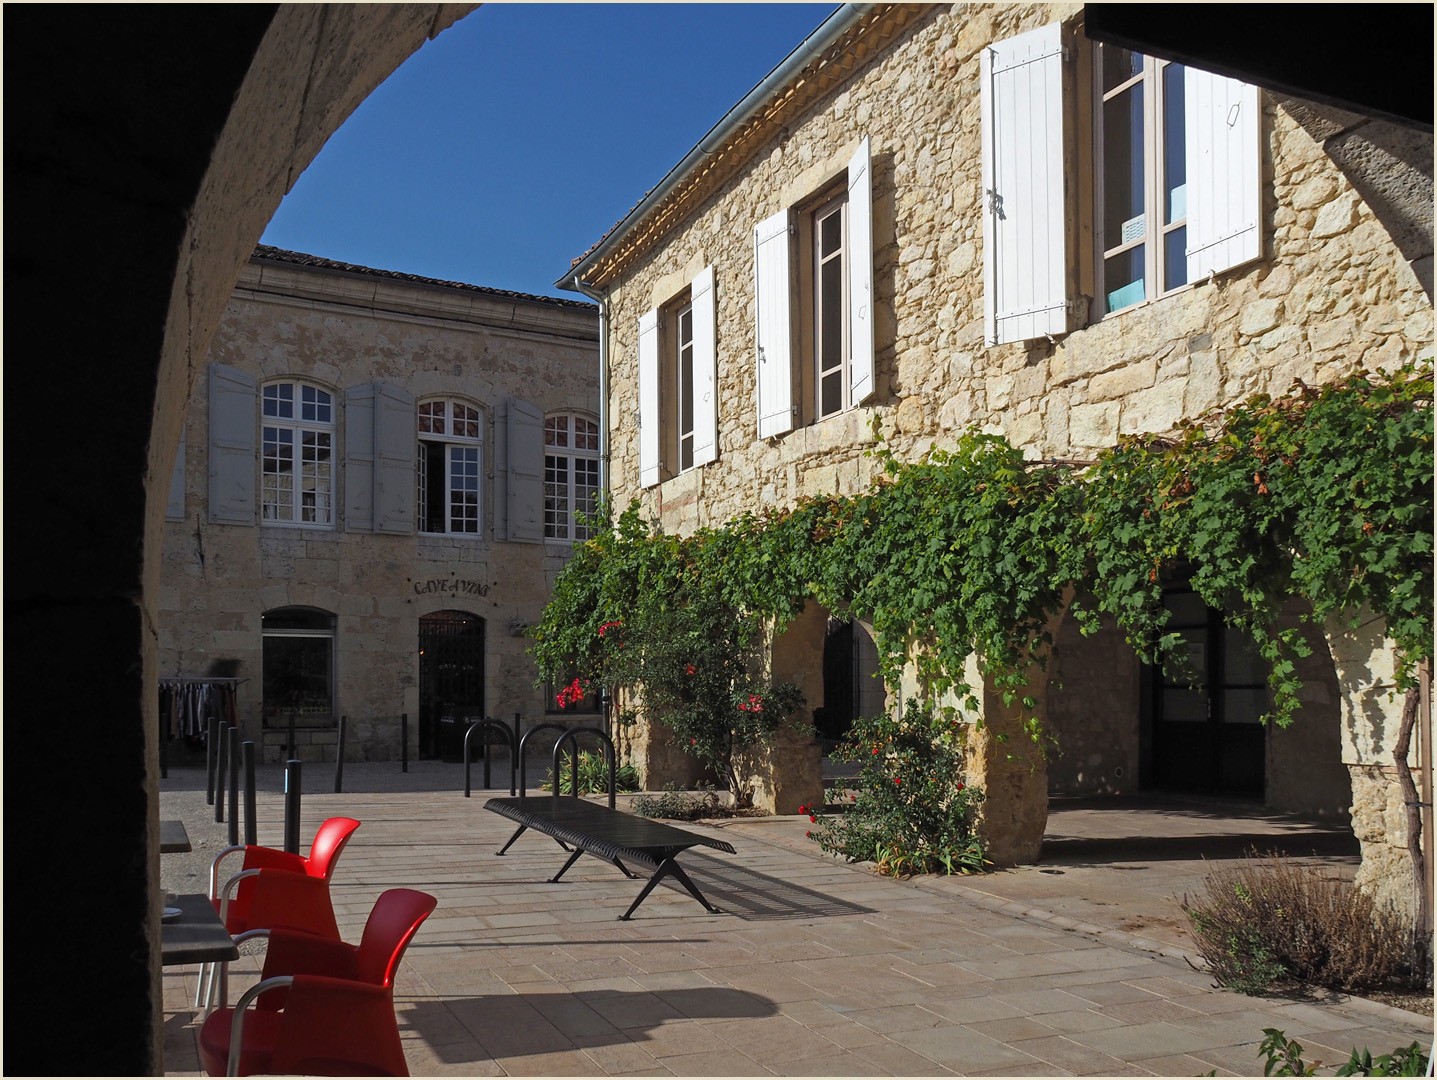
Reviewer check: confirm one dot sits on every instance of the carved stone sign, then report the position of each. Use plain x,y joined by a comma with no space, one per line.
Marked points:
451,587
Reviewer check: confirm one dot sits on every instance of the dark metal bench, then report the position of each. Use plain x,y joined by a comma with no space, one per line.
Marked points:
608,834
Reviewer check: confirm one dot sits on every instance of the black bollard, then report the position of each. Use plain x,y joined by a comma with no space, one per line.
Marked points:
222,741
251,827
339,756
404,742
234,742
292,778
211,738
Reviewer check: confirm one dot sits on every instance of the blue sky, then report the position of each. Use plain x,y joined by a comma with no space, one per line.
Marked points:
513,141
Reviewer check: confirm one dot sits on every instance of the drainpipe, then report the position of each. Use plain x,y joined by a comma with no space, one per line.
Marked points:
603,301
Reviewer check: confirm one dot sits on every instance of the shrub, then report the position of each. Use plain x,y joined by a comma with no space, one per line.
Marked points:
1270,919
678,805
913,813
1284,1058
593,776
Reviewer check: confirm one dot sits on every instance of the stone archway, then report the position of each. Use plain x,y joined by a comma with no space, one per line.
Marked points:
152,148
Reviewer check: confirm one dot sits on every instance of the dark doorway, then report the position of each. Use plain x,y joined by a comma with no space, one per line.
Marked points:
451,680
1206,734
851,687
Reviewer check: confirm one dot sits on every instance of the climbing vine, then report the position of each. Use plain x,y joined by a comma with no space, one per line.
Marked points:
1324,493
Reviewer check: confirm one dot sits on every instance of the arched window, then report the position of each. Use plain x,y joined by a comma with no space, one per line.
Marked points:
450,444
297,455
571,475
298,665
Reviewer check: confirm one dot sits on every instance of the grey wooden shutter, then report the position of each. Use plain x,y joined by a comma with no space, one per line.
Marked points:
525,439
500,472
773,294
394,449
650,422
175,504
860,275
359,459
705,385
1224,170
232,469
1025,260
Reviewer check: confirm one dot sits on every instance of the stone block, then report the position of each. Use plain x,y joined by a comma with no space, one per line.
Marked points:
1159,409
1260,316
1336,217
1126,380
1093,426
1313,193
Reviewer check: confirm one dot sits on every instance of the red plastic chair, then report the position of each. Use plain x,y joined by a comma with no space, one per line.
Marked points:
277,888
322,1007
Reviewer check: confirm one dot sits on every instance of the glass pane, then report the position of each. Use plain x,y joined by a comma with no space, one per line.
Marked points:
1119,65
1187,609
1123,279
1196,652
1175,258
556,431
830,232
296,675
586,434
831,394
1241,662
1184,706
830,316
1175,155
1123,219
296,619
1243,706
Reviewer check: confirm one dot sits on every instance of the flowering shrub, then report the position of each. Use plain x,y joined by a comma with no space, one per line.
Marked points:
913,813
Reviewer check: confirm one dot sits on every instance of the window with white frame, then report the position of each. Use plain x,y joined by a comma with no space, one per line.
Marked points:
1174,170
571,476
815,356
297,454
447,465
678,400
297,665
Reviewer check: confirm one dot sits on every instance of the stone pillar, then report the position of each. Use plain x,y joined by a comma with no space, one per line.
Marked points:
650,748
1371,717
1010,768
788,772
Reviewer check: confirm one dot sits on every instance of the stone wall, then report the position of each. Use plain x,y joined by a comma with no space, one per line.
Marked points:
341,331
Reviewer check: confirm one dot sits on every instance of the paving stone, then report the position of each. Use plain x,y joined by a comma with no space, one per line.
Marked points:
961,1048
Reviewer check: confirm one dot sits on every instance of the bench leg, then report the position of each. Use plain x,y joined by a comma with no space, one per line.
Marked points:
669,868
517,833
572,860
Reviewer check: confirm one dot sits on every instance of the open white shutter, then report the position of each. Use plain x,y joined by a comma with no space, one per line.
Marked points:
395,440
705,388
1025,261
773,295
175,505
525,439
1224,172
860,274
359,459
649,418
232,446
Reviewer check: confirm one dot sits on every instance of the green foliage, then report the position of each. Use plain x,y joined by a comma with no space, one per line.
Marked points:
593,776
1284,1058
1323,494
913,814
678,805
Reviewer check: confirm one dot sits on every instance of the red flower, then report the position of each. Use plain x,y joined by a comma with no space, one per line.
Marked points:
812,818
605,628
807,833
691,669
960,787
692,742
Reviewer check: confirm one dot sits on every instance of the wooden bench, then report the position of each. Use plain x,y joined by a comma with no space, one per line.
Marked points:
611,835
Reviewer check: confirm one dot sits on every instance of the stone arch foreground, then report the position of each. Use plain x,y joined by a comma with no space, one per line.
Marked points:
147,152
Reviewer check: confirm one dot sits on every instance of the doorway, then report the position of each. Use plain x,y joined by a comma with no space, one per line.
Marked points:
451,680
851,686
1206,734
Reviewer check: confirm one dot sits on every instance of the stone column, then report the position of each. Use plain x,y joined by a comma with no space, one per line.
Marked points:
788,772
1371,717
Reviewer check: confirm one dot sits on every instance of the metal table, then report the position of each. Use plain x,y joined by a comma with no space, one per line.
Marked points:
173,837
197,936
610,835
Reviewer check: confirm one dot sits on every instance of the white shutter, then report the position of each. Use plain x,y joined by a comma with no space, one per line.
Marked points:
1025,262
500,472
175,505
860,275
705,388
1221,118
525,443
359,459
395,437
773,287
232,446
649,417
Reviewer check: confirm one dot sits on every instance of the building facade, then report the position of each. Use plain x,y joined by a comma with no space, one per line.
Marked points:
936,217
379,477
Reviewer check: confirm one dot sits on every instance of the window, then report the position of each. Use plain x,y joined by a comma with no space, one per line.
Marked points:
447,465
678,403
1141,147
816,359
298,665
297,454
1175,174
571,476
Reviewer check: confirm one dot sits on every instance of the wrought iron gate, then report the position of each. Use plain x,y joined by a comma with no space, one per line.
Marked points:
451,679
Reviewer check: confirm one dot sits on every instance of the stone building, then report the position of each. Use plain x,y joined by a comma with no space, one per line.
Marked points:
935,217
380,475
